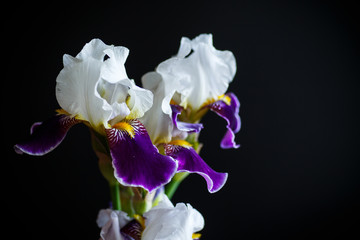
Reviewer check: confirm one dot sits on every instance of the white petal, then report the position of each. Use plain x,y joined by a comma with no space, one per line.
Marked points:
175,81
202,39
97,89
206,72
165,222
111,222
94,49
157,120
185,47
113,92
139,102
67,59
119,112
114,68
76,91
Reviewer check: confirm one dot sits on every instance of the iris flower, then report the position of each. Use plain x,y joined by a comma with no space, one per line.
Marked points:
162,222
93,88
185,87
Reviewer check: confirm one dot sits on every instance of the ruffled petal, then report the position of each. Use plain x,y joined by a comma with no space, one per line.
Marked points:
190,161
46,136
139,102
228,108
114,67
204,73
94,49
76,85
97,89
184,126
136,160
166,222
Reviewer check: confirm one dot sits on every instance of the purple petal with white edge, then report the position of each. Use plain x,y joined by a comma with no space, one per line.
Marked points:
190,161
136,160
184,126
46,136
228,109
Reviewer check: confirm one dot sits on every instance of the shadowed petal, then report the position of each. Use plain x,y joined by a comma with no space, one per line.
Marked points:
190,161
136,160
46,136
184,126
110,222
228,108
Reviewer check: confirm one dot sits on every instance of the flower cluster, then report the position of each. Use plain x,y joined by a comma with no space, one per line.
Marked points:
146,138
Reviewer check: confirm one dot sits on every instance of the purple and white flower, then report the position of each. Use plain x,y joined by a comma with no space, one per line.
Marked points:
199,76
165,129
93,88
185,87
162,222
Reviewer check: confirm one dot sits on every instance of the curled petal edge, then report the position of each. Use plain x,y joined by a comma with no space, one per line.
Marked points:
184,126
190,161
46,136
228,108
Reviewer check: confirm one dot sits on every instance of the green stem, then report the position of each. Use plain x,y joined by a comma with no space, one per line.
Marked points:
127,197
172,186
170,189
115,196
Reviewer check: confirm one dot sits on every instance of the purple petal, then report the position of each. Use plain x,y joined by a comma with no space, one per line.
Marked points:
190,161
228,141
228,109
184,126
46,136
136,160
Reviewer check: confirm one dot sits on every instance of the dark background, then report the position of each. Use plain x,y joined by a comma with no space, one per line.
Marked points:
296,173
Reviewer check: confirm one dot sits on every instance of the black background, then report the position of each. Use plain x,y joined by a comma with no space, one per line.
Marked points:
296,173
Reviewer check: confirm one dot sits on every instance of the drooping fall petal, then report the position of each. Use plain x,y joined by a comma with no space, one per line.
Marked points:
136,160
47,135
190,161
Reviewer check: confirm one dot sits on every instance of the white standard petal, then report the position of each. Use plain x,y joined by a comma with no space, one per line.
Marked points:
208,70
94,49
96,89
165,222
140,100
76,91
157,120
179,82
115,95
114,67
